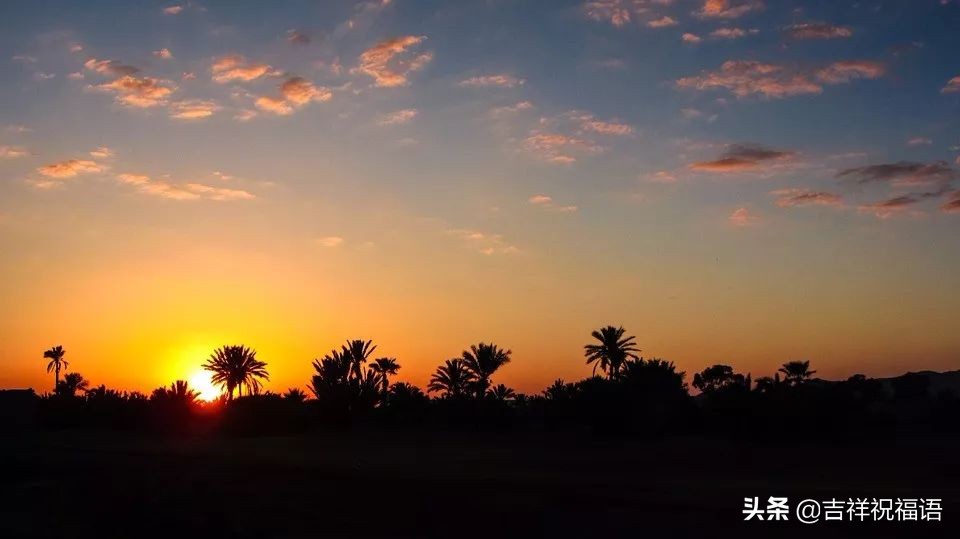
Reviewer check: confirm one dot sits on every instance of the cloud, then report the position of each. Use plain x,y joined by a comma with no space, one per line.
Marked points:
661,176
297,37
728,9
787,198
953,86
588,122
731,33
501,80
70,168
76,75
163,53
300,91
398,117
545,201
110,67
484,243
558,148
235,67
741,157
848,70
744,78
690,38
275,105
817,30
188,191
619,12
193,109
509,110
330,241
662,22
742,217
245,115
919,141
172,10
388,64
138,92
889,207
102,153
13,152
952,205
902,173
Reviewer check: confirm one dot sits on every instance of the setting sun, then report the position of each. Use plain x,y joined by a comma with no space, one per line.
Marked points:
200,382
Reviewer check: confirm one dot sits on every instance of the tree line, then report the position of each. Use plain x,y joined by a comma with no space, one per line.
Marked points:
630,394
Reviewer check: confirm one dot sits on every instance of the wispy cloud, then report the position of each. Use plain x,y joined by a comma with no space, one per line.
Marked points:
484,243
235,67
70,168
791,197
558,148
744,157
732,33
193,109
102,153
398,117
330,241
275,105
110,67
510,110
296,37
817,30
13,152
173,10
848,70
919,141
662,22
501,80
547,202
138,92
389,63
902,173
163,53
952,205
300,91
953,86
744,78
620,12
742,217
186,191
687,37
728,9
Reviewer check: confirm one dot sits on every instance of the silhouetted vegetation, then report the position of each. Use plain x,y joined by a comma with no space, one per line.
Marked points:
636,397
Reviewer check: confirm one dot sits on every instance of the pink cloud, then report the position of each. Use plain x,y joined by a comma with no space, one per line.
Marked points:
138,92
848,70
398,117
817,30
501,80
744,78
953,86
275,105
388,64
690,38
193,109
740,158
188,191
70,168
662,22
742,217
300,91
805,197
235,67
728,9
110,67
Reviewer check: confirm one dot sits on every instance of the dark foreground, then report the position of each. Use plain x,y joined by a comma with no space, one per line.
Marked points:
83,484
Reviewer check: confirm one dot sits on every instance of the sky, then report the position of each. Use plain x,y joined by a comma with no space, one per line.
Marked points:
740,182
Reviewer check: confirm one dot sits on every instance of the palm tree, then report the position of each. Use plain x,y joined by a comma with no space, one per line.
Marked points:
234,367
452,378
614,349
72,383
796,372
482,360
385,367
358,350
179,392
55,355
501,392
295,394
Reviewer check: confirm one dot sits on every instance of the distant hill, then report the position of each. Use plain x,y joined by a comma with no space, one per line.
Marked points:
938,381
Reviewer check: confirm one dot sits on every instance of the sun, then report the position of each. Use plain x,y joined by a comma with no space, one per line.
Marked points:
200,382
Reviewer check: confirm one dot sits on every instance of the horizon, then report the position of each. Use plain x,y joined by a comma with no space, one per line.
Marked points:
734,182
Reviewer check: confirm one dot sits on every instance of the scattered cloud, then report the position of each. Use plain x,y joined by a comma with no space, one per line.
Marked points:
484,243
620,12
501,80
173,10
662,22
889,207
728,9
509,110
953,86
245,115
742,157
742,217
558,148
787,198
744,78
297,37
902,173
919,141
163,53
193,109
187,191
952,205
546,202
690,38
110,67
275,105
389,64
102,153
817,30
300,91
588,122
398,117
661,176
76,75
138,92
330,241
70,168
235,67
13,152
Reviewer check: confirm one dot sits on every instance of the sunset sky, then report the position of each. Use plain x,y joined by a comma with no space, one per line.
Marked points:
740,182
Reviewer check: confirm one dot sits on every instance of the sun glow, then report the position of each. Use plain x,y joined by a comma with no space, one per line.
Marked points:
200,382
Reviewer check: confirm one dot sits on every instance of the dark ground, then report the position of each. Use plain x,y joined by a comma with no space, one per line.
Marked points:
81,484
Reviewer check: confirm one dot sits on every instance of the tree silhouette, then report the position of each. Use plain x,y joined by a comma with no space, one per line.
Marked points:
295,394
452,379
796,372
55,355
501,392
719,377
234,367
358,350
482,360
612,352
72,383
385,367
343,383
179,392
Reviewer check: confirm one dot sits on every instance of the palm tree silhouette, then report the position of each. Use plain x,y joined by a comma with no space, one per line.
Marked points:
614,349
501,392
358,350
72,383
179,392
796,372
234,367
295,394
452,379
482,360
55,355
385,367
